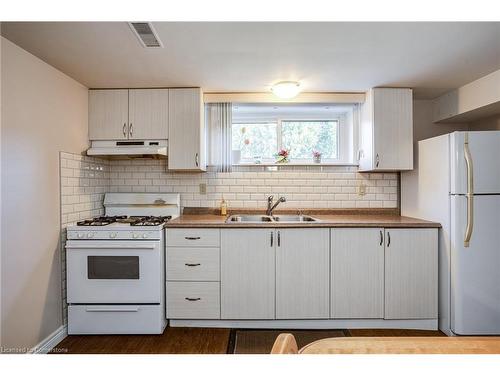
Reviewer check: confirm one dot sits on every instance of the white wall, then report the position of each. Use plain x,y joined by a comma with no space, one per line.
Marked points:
490,123
423,128
43,112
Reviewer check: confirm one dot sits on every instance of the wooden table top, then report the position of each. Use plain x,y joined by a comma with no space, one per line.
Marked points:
404,345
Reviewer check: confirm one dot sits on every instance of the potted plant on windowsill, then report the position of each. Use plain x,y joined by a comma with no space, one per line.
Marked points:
282,156
316,157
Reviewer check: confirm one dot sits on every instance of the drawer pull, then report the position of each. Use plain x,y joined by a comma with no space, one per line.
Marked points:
192,264
192,238
192,299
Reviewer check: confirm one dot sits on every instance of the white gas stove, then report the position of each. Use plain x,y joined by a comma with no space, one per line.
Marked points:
116,263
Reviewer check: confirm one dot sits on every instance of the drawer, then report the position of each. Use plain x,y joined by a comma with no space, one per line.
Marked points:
193,300
193,264
190,237
115,319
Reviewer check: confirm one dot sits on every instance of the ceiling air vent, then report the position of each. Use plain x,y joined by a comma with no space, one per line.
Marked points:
146,34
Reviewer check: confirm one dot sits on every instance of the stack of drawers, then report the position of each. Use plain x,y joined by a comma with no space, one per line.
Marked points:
193,273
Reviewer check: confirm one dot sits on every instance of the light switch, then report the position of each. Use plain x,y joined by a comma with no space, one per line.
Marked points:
203,188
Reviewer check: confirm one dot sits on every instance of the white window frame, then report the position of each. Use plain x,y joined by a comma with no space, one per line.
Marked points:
342,138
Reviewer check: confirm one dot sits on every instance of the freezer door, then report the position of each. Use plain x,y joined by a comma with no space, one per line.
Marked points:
484,148
475,270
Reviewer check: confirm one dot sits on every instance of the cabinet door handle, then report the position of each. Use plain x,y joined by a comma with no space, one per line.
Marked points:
388,239
192,299
196,160
272,239
377,160
279,238
124,130
192,264
131,129
192,238
381,238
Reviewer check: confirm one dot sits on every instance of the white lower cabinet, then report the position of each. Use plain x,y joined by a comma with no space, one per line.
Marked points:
357,273
193,264
192,273
411,274
302,273
247,274
193,300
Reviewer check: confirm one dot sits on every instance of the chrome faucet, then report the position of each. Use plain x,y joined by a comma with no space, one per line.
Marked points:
270,206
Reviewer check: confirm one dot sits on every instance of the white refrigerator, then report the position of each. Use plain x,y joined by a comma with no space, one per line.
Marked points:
457,183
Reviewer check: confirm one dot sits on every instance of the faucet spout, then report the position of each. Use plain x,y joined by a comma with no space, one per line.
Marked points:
270,208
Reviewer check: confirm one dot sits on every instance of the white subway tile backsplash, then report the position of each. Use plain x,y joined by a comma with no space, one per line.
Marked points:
248,186
83,181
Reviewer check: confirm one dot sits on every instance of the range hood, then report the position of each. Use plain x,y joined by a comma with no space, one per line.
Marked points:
143,148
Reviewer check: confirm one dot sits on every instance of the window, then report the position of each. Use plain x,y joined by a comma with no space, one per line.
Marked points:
260,130
257,140
304,137
260,141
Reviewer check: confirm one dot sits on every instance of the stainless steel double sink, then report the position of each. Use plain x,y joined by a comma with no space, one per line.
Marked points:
263,219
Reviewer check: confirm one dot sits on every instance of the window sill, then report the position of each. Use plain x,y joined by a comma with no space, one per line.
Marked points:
299,164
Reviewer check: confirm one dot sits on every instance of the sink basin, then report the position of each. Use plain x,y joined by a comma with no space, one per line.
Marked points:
294,218
251,219
255,219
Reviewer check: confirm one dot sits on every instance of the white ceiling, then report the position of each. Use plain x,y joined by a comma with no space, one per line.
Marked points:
430,57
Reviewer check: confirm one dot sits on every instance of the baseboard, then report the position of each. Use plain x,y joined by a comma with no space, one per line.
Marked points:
50,342
424,324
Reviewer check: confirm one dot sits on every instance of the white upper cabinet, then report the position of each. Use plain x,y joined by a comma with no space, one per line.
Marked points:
108,114
148,114
186,146
386,130
128,114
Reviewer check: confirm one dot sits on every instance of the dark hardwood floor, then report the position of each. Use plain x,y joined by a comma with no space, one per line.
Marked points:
392,333
174,340
177,340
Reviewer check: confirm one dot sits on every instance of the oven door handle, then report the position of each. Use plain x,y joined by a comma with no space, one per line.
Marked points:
110,247
112,309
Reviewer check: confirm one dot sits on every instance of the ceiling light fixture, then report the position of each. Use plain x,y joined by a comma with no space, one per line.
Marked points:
286,89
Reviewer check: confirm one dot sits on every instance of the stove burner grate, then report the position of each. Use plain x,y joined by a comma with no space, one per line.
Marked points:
100,221
149,220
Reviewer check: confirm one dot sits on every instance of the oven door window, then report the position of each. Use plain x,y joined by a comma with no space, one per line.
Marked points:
113,267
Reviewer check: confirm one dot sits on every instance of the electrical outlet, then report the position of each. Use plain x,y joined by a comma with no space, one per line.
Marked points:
361,189
203,188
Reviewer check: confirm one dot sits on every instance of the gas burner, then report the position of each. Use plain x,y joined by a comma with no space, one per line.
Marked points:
100,221
149,220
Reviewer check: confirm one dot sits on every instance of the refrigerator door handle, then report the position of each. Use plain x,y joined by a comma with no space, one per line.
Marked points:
470,192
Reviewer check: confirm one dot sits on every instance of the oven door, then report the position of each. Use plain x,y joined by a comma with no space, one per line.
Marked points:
113,271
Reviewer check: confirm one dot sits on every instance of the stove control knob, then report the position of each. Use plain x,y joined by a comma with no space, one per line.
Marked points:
145,235
80,235
90,235
112,235
135,235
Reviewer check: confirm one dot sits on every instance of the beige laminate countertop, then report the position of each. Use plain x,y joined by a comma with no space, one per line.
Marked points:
335,220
